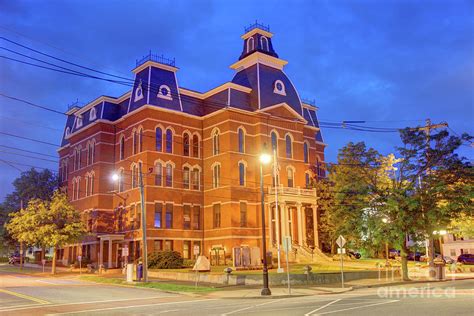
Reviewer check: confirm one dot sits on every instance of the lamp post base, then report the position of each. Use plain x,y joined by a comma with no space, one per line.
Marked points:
266,292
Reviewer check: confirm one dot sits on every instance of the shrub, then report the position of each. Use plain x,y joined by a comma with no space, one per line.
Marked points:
165,260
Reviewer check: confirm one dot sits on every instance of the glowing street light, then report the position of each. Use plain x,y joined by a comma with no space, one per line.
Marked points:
115,177
265,159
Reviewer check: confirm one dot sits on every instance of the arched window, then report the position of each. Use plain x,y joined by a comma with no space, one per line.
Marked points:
195,146
77,158
169,175
216,175
91,152
158,174
78,122
135,141
86,178
279,87
186,144
134,176
215,142
68,132
91,185
169,141
306,152
164,92
73,189
264,43
159,139
140,140
241,134
122,147
120,181
250,44
289,146
139,92
291,174
195,179
186,177
241,173
92,114
274,142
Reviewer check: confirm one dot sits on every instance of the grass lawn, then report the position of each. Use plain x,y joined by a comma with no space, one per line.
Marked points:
16,269
151,285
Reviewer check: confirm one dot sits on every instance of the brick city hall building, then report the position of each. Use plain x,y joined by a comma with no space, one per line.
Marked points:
199,156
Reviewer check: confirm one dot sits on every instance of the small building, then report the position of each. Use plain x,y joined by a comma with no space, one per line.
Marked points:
454,246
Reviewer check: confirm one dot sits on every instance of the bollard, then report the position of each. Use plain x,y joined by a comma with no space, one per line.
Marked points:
227,271
307,270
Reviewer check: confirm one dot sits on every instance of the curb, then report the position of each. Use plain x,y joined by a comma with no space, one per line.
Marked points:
407,282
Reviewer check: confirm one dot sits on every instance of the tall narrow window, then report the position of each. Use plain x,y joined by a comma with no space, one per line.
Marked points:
216,215
196,217
169,215
135,142
250,44
158,174
73,189
215,143
216,175
134,176
186,249
186,216
306,152
241,140
86,178
120,183
91,186
186,144
289,147
122,147
264,43
169,175
158,212
159,139
140,140
290,173
307,180
186,178
195,178
274,142
92,152
169,141
243,214
195,146
241,173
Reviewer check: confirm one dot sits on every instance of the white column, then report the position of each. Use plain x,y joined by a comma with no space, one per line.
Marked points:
283,220
300,226
109,263
303,226
270,226
315,226
291,223
101,251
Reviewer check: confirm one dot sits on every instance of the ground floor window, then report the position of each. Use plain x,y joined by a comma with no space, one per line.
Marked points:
168,245
186,249
157,245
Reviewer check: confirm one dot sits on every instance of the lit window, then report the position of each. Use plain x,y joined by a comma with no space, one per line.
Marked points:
169,175
159,139
195,146
215,143
274,142
186,178
164,92
158,212
216,174
186,249
290,173
122,147
289,146
169,141
279,87
241,140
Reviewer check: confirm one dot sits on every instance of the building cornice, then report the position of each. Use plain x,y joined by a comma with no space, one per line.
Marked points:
205,95
255,31
261,58
155,64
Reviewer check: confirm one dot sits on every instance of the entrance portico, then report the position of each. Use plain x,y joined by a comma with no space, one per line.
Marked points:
109,239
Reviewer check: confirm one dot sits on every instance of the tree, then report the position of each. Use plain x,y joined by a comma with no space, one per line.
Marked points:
52,223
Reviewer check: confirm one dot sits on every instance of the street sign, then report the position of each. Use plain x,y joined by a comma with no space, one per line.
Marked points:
341,251
340,241
196,250
79,258
43,261
125,252
287,243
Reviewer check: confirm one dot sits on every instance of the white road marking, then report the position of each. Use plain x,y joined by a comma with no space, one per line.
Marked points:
324,306
32,306
253,306
134,306
357,307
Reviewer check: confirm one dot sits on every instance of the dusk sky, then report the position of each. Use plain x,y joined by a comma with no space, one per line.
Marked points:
390,63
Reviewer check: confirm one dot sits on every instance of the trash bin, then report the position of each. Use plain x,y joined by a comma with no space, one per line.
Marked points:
440,271
130,267
139,272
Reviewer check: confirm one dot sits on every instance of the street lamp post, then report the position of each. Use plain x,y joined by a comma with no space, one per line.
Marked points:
264,159
386,220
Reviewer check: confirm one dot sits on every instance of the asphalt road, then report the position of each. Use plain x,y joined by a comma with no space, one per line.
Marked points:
34,295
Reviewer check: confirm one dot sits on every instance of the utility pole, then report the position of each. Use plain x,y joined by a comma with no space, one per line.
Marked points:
142,200
427,129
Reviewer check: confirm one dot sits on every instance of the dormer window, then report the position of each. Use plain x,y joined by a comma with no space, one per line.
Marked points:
139,92
93,114
279,87
164,92
68,132
250,45
78,121
264,43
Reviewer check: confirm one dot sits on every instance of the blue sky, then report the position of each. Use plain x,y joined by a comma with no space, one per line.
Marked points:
394,63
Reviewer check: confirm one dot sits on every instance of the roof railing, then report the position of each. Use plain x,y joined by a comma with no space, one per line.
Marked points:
156,58
74,104
309,101
257,25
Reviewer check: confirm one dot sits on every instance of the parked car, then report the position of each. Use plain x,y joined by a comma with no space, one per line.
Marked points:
15,258
414,256
467,258
448,260
393,253
353,254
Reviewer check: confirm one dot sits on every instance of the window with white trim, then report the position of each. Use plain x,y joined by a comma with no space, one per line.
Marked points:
164,92
279,87
93,114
